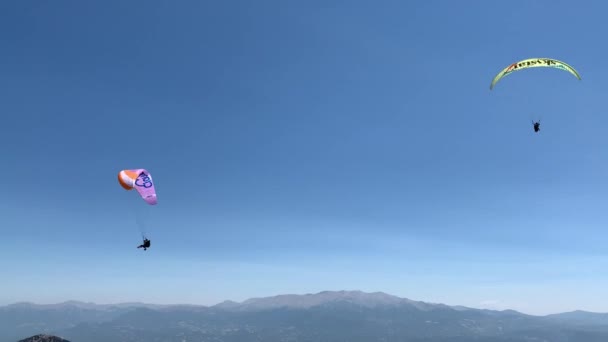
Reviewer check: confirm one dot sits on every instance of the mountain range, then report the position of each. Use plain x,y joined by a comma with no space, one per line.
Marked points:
349,316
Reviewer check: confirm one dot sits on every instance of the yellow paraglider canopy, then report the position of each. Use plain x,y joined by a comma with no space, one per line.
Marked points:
534,63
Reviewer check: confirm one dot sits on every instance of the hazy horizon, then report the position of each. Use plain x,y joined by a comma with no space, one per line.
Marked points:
298,147
488,306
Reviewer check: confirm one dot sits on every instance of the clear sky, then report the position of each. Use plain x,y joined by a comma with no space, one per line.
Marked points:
301,146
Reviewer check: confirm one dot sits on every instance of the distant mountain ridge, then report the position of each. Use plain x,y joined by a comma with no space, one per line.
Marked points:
82,305
353,316
308,300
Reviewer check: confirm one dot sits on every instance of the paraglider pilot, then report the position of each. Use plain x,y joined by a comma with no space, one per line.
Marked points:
536,127
145,245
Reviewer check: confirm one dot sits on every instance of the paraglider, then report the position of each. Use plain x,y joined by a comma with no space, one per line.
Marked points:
145,245
141,180
534,63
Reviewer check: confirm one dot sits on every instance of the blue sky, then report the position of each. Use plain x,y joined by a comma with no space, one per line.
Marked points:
304,146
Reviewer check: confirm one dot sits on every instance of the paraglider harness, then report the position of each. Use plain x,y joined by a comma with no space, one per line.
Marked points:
145,245
537,126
